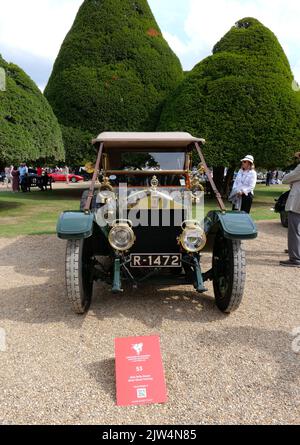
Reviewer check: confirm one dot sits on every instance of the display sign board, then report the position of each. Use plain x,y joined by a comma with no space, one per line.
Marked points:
139,371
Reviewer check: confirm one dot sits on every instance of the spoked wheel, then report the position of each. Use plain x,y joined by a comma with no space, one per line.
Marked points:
229,273
79,280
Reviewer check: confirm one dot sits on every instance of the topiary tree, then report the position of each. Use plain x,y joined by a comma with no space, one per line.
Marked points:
79,149
28,128
240,99
113,72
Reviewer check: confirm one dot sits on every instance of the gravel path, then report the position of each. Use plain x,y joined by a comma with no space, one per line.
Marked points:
58,368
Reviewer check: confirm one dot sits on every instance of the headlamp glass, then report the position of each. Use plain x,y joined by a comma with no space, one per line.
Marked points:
193,239
121,237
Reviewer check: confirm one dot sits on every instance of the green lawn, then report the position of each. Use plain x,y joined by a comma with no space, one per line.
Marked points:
36,213
262,204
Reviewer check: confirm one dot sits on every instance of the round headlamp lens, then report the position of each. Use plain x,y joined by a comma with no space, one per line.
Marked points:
193,239
121,237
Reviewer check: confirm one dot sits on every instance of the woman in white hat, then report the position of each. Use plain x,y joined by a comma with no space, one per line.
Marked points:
244,185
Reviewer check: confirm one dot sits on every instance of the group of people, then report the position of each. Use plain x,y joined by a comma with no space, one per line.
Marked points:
274,177
242,197
19,177
16,176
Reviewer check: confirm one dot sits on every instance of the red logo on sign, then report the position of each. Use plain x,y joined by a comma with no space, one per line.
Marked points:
139,371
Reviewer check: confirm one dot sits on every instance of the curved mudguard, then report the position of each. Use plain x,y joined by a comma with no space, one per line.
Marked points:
235,225
75,225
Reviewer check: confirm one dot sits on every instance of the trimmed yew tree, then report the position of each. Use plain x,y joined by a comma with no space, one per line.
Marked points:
28,128
113,72
240,100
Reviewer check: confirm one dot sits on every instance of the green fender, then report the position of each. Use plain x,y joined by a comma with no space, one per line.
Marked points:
75,225
235,225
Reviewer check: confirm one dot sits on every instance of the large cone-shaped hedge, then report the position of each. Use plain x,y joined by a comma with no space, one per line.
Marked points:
240,99
28,128
113,71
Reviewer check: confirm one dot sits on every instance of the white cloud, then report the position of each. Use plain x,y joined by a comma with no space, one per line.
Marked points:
296,70
192,27
36,26
207,22
176,44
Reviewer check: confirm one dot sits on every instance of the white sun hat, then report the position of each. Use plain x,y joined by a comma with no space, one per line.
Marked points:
248,158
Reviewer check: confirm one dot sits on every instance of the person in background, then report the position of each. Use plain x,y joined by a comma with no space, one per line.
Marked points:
244,185
268,178
39,171
8,177
15,179
23,169
293,209
45,181
25,183
67,172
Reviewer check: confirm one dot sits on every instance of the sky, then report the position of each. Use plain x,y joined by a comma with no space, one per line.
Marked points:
32,31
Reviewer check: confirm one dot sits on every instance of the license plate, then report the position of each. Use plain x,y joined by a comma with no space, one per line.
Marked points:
152,260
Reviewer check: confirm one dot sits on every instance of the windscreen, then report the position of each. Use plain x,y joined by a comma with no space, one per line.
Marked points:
152,161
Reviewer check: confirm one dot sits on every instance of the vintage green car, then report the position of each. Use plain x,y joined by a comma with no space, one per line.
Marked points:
140,221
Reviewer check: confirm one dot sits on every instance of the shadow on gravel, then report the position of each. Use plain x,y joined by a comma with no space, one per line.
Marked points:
35,306
48,304
36,259
272,227
268,343
104,373
151,305
254,261
265,258
40,262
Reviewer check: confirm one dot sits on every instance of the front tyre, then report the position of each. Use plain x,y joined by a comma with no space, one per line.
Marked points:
79,280
229,273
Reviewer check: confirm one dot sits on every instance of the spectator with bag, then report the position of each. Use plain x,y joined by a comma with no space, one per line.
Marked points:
242,192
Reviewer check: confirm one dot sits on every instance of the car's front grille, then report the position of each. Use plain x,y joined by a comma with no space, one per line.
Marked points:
160,235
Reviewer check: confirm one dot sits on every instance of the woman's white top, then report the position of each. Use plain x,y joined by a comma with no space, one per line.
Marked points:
245,181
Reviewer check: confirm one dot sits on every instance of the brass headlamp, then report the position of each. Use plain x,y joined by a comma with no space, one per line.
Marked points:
193,238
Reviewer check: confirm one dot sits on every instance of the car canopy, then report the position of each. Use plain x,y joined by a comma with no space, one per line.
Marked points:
157,140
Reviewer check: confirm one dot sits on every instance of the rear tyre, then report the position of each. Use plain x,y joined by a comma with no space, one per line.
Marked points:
229,273
79,280
284,218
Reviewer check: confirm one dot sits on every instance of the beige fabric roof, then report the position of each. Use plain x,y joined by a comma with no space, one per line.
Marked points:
157,139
